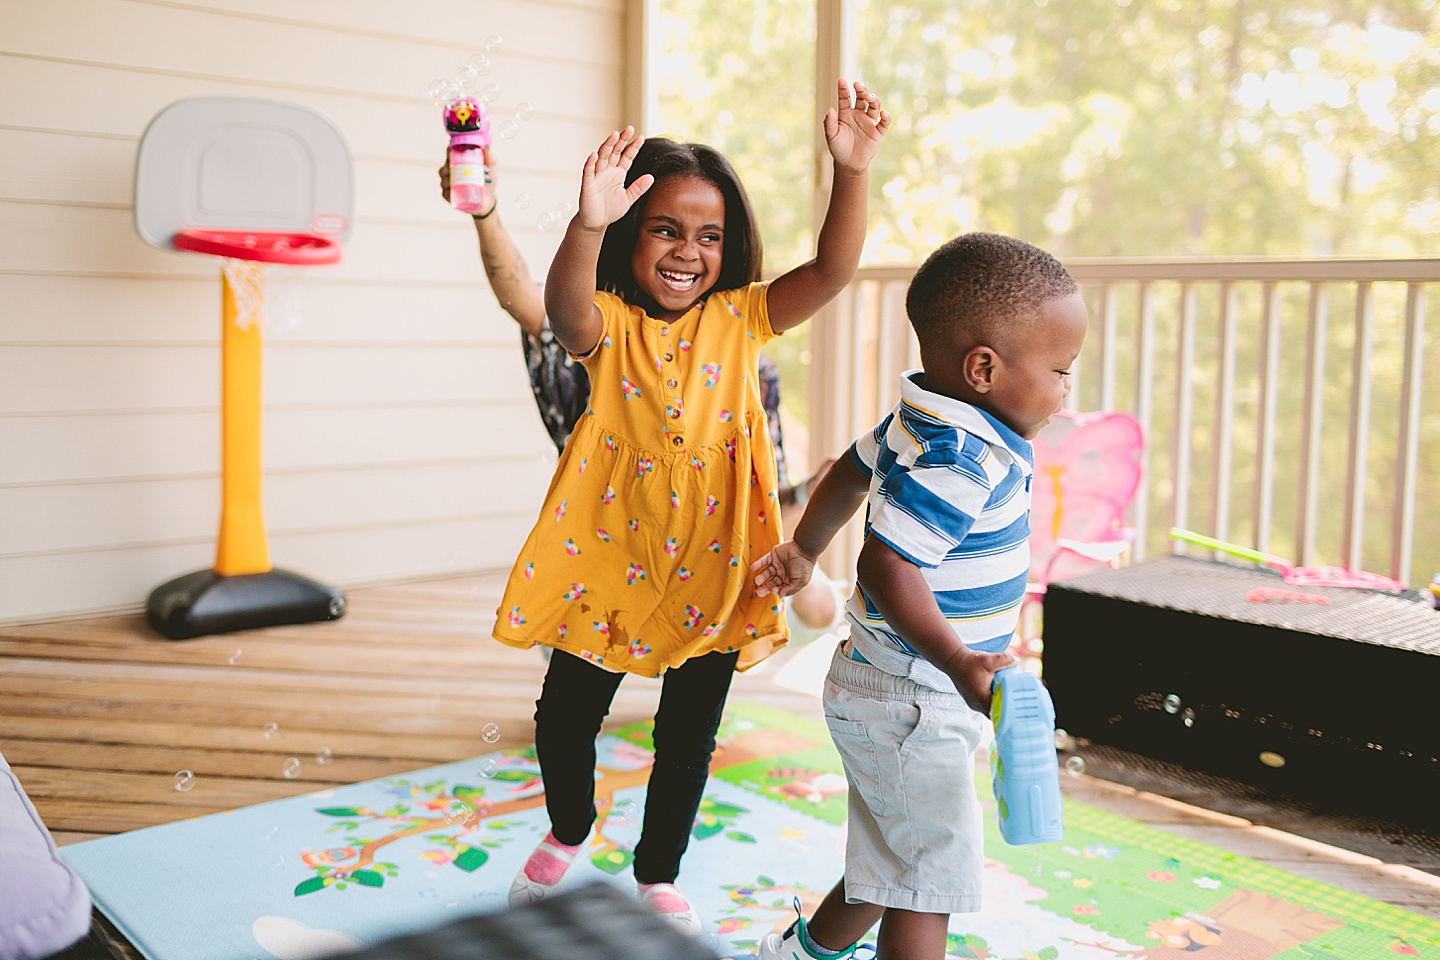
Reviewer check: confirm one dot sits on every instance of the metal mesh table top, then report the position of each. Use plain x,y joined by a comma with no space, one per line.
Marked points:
594,922
1218,589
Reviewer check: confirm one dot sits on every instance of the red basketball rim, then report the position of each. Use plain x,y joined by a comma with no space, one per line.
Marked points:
296,248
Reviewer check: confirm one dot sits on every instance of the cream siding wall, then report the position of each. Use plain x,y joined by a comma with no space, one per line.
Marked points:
400,436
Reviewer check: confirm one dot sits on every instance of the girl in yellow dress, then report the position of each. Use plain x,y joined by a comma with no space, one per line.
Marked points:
667,488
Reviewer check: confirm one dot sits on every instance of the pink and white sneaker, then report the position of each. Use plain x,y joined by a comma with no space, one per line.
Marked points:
543,872
671,906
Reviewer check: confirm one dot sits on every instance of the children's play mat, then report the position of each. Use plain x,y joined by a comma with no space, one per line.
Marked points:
315,874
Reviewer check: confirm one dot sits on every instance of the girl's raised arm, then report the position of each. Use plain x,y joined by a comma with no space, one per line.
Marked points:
604,198
852,134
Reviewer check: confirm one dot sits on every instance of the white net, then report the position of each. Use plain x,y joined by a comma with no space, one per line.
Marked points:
266,294
246,279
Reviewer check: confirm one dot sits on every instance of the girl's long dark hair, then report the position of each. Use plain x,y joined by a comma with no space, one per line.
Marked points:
742,255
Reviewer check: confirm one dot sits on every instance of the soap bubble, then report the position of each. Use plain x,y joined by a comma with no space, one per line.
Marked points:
1075,766
1063,740
324,756
184,781
488,92
467,79
494,42
234,657
509,129
490,732
1172,704
563,209
1188,717
487,768
292,768
457,812
438,90
625,811
524,110
522,201
547,221
478,66
270,730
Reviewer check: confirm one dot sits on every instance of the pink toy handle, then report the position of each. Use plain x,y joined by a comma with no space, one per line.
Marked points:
478,139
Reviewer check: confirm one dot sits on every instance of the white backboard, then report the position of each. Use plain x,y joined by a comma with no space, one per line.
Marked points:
239,163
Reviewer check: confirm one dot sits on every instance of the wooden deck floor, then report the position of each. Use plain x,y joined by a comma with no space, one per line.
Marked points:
98,716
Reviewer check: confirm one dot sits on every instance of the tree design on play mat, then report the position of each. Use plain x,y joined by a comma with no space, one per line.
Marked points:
451,817
465,822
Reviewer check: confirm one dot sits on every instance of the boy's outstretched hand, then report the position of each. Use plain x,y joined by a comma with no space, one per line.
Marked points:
782,571
853,132
604,197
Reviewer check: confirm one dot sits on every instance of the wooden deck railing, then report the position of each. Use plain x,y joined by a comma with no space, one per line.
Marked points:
1270,419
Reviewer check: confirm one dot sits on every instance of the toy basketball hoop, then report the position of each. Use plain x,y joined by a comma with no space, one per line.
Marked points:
253,182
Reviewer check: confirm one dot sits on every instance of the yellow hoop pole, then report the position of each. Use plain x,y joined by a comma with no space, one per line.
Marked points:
242,547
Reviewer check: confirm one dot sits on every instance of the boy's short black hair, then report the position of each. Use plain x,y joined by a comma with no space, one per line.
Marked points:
977,286
742,254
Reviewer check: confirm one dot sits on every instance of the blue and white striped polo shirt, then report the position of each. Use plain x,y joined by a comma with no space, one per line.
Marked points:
950,492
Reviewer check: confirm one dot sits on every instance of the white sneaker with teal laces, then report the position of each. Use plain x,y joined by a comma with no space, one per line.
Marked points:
791,946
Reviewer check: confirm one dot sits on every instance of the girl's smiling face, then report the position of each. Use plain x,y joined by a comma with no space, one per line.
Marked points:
679,245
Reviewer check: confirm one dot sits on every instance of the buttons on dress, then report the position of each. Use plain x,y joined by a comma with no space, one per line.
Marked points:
664,331
672,383
678,441
669,356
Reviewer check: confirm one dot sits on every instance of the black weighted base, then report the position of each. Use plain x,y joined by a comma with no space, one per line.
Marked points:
206,602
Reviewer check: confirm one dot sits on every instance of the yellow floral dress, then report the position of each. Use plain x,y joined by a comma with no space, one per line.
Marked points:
661,500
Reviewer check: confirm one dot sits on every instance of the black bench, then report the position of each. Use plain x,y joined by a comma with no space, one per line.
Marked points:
1331,704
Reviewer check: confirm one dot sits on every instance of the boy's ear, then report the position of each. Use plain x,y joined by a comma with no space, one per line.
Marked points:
978,366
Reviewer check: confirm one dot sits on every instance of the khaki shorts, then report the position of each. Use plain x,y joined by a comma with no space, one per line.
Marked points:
915,838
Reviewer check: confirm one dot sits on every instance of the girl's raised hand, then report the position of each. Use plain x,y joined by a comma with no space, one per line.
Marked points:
853,132
604,198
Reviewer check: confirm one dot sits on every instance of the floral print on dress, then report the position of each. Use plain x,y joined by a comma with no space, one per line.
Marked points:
624,460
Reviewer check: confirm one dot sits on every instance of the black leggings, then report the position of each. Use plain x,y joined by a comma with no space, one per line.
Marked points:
574,702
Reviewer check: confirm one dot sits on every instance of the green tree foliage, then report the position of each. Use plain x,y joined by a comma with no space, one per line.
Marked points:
1094,127
1122,128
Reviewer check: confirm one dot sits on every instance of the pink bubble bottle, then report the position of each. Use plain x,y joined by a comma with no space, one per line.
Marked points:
469,129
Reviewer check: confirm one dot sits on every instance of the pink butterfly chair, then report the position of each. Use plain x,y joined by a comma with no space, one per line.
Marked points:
1087,469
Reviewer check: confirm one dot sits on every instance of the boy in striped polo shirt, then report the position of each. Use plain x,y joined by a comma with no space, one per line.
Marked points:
945,480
